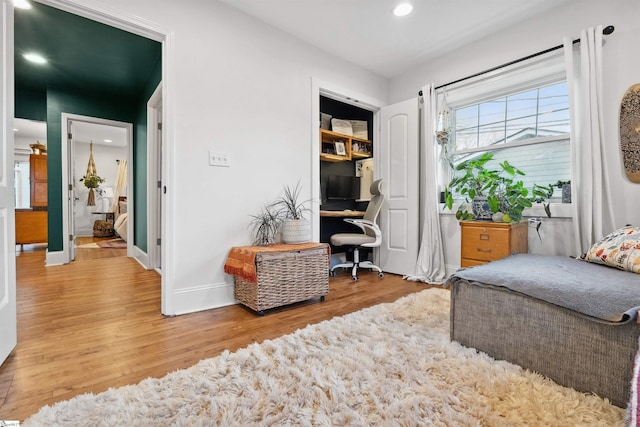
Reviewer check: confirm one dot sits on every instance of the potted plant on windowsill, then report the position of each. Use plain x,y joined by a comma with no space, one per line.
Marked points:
294,227
490,192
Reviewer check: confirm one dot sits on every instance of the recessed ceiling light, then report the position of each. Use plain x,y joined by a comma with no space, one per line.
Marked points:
15,130
108,140
22,4
403,9
34,57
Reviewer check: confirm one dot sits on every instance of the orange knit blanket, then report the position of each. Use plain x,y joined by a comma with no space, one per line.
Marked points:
241,260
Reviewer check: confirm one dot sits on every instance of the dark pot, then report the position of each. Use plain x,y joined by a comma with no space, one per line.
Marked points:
566,193
480,208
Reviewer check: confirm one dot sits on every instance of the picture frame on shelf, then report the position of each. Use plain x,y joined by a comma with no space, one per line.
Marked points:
340,148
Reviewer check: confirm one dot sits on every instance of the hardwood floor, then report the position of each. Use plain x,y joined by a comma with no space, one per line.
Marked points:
96,323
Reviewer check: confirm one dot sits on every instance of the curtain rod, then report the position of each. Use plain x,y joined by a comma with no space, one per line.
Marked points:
607,30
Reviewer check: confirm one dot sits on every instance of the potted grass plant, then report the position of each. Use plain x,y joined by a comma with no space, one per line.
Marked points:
264,226
295,228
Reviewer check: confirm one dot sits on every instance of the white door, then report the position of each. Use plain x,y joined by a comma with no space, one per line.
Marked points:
8,323
399,170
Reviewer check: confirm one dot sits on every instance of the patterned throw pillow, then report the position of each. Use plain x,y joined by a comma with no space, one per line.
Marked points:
620,249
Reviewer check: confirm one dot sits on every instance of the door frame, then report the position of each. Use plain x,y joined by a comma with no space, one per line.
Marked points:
134,24
68,151
155,218
347,96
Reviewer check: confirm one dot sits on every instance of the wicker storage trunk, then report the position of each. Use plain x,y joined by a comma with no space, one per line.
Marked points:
285,278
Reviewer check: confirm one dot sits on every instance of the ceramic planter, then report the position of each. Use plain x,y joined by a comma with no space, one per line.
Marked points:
296,231
480,208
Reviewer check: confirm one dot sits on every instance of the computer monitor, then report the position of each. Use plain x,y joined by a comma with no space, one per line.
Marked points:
343,187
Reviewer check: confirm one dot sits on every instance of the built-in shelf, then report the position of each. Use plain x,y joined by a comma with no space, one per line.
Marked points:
329,141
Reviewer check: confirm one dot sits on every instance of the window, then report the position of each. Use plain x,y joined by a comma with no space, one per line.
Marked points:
21,182
528,128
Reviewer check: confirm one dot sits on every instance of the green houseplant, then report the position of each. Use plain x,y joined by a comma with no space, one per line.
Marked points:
542,193
489,191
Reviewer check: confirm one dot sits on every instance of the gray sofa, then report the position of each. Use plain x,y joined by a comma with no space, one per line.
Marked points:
569,320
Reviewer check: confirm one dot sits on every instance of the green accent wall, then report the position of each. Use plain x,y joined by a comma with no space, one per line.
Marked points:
59,102
49,107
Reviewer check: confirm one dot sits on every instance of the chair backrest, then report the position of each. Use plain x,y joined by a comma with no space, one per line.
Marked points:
375,204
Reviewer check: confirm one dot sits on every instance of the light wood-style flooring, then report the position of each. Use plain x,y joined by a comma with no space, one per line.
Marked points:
96,323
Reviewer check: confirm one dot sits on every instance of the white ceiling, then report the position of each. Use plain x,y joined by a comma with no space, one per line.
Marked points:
367,33
82,132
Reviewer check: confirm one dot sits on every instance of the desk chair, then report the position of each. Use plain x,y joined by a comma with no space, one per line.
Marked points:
370,237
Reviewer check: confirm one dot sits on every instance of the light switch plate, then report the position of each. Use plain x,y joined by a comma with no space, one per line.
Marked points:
219,158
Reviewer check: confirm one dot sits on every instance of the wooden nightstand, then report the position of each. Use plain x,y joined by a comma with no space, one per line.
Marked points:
483,241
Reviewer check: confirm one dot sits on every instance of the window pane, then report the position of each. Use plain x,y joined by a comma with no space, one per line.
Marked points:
523,104
534,113
491,134
467,139
520,129
553,110
493,111
467,117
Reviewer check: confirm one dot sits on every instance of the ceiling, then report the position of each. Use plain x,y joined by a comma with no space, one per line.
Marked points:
83,55
367,33
92,57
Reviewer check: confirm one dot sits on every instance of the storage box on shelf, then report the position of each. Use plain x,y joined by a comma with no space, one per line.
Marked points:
327,147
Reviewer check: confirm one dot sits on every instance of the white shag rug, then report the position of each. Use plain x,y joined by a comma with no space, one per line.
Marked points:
391,364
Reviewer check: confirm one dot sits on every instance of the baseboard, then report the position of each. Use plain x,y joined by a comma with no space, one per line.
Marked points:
55,258
204,297
140,256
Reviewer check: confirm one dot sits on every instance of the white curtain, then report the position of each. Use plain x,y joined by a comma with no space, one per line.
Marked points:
430,266
120,188
591,195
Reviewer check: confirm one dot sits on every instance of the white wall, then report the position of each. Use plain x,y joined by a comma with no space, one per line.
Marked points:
621,65
105,158
244,88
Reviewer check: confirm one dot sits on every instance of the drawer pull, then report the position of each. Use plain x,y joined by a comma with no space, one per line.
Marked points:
484,236
484,250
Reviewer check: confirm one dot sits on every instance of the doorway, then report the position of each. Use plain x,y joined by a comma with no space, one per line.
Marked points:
99,220
352,101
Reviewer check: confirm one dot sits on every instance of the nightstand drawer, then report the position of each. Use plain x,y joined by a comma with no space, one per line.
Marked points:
484,244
